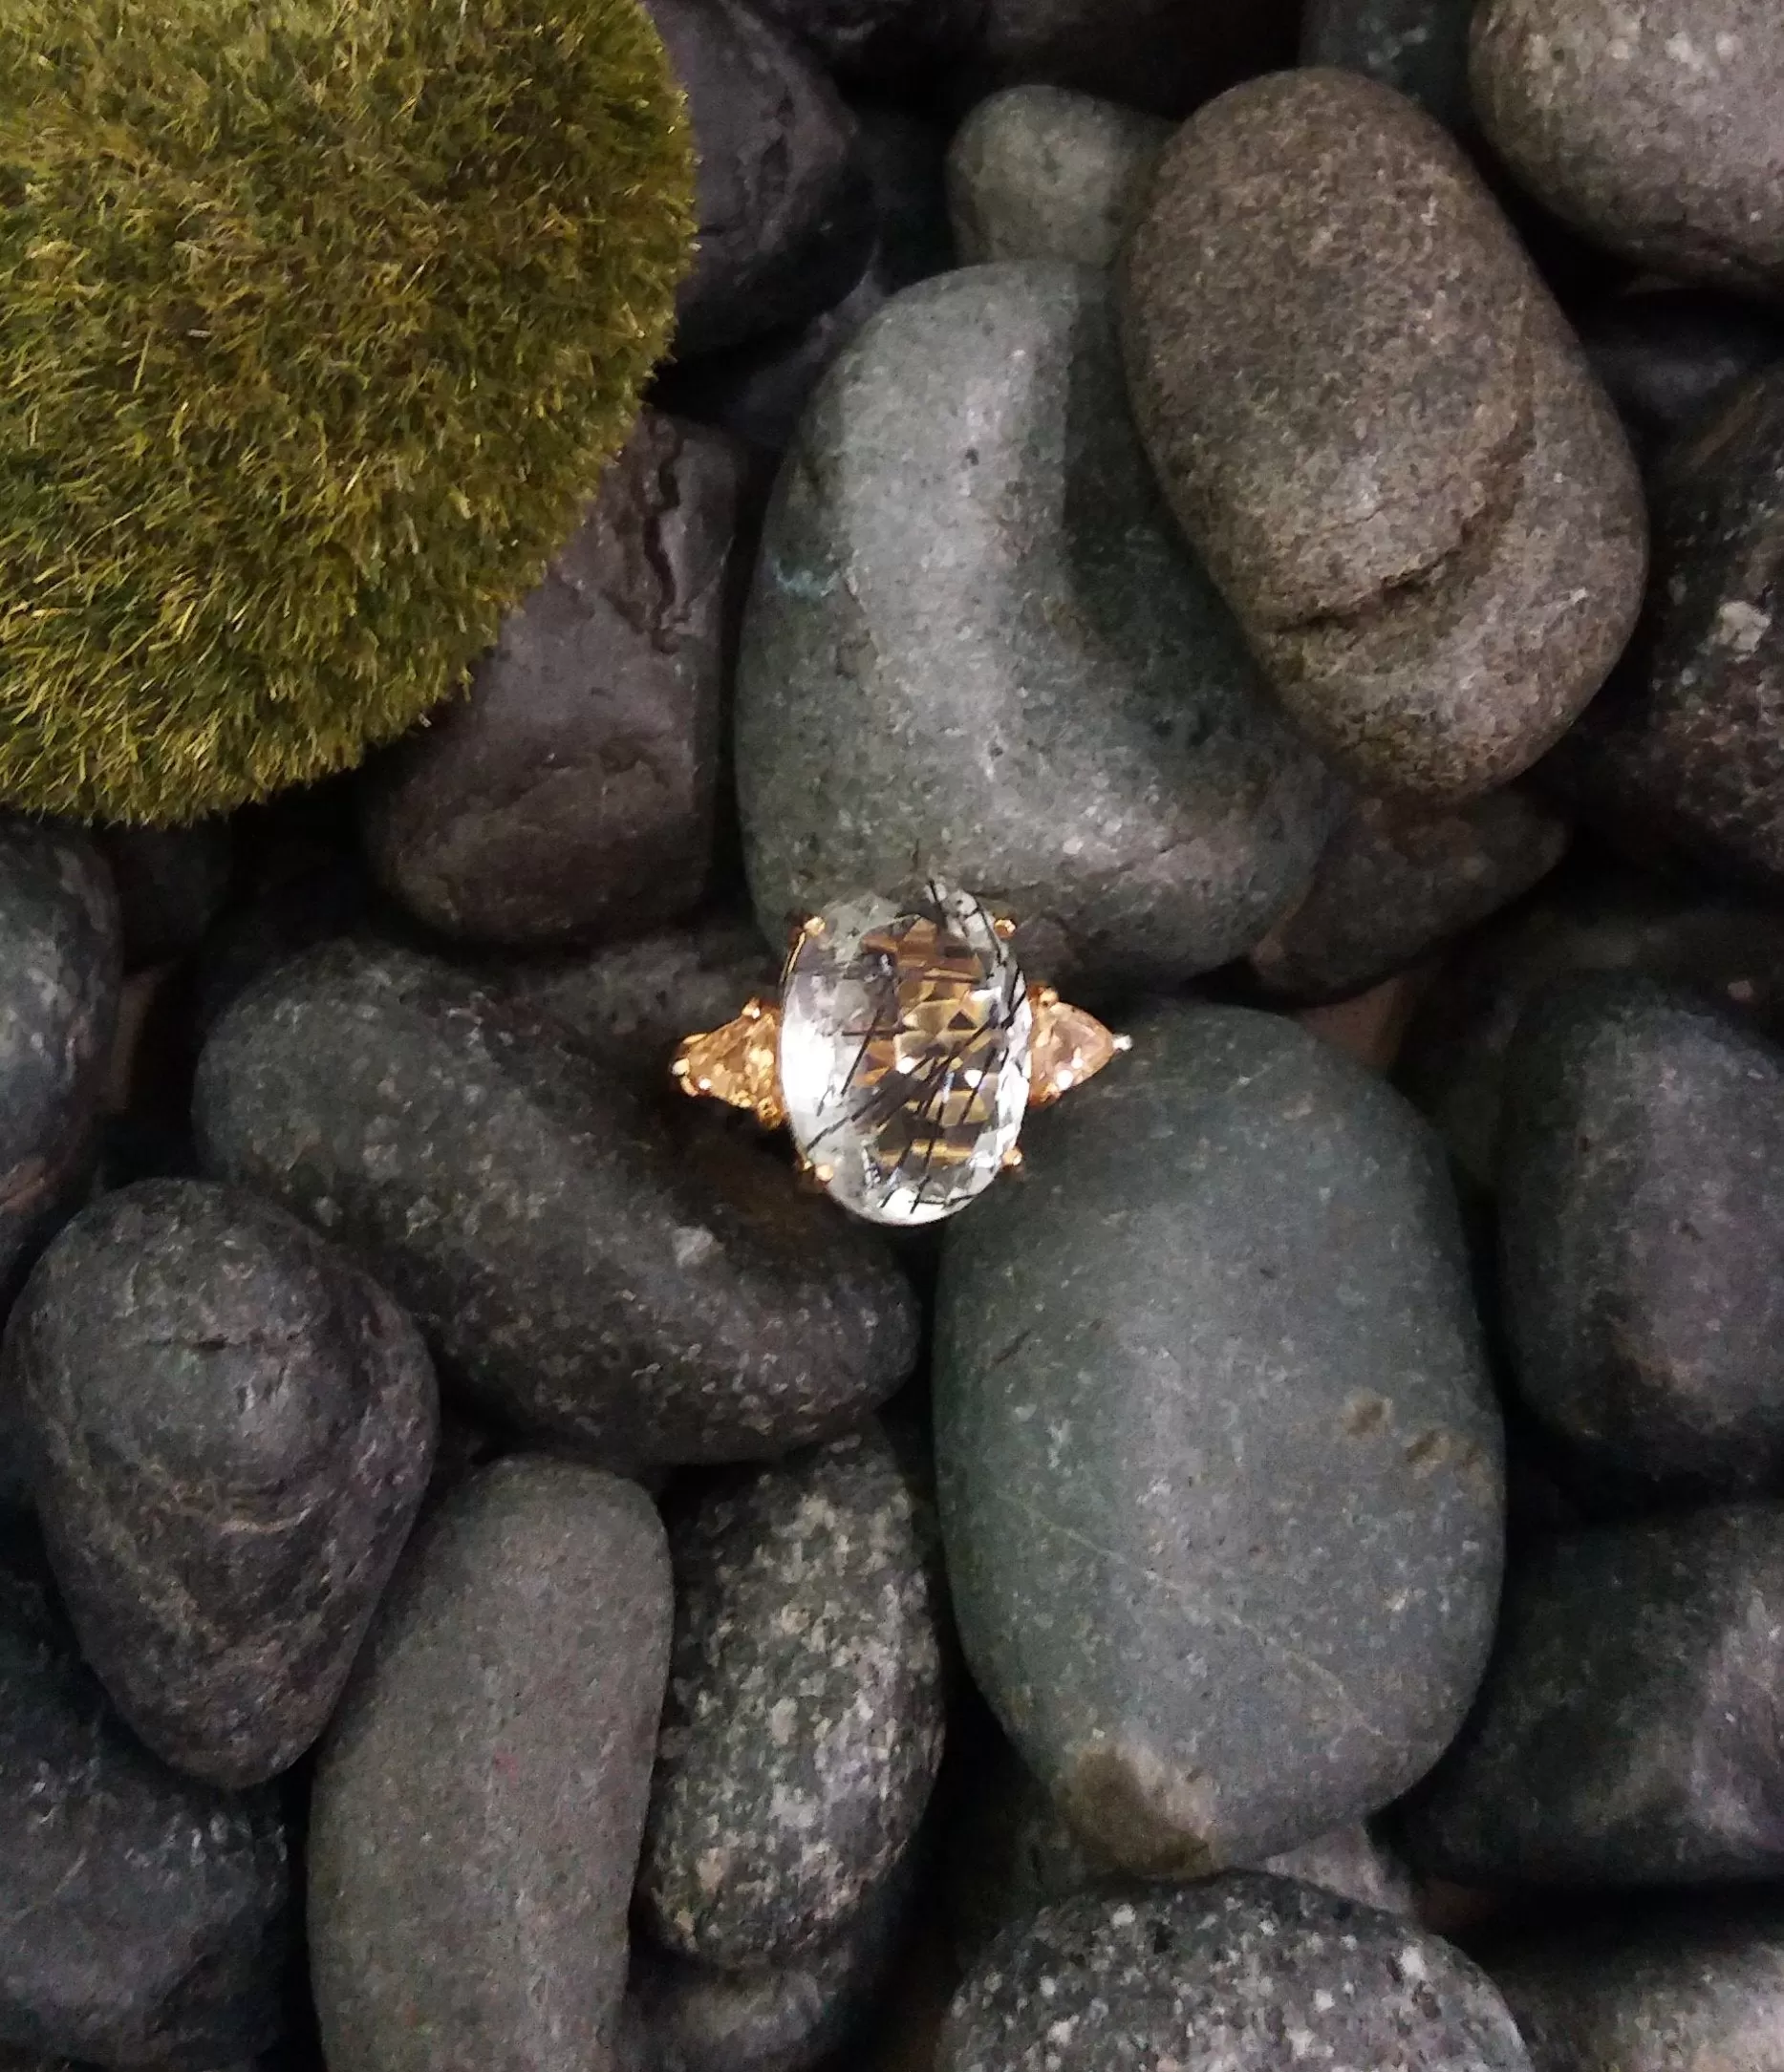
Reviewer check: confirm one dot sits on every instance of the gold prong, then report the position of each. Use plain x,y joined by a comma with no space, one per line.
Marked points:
823,1174
812,924
751,1011
1011,1157
1046,996
1006,925
679,1069
1123,1043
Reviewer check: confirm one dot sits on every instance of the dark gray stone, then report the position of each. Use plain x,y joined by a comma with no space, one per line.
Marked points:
631,1003
973,645
1249,1974
1398,879
60,968
1684,744
1693,1987
1376,428
148,1915
1036,172
1452,1062
1625,1735
570,793
784,207
1355,1864
171,883
1154,54
653,1288
786,2017
1642,1234
877,42
481,1794
804,1719
1667,354
1417,46
1653,126
905,156
232,1427
1218,1457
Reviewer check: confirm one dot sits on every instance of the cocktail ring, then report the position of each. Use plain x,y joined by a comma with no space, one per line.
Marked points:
903,1053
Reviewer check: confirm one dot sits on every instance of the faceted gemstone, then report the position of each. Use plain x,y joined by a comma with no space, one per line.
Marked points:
904,1053
1069,1047
737,1063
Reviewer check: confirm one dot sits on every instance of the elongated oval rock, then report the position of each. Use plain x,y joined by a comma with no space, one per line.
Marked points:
804,1719
579,1270
1380,434
480,1796
975,650
232,1428
1217,1452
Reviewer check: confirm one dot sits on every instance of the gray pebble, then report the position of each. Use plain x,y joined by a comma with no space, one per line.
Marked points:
1036,172
481,1794
805,1718
582,1271
1652,125
1397,880
1217,1451
1376,428
232,1427
569,792
1248,1973
1666,355
60,968
1642,1234
973,645
1626,1734
1690,1987
1685,743
1417,46
148,1915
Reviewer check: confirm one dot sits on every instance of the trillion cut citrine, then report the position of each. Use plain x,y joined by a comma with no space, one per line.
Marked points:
738,1064
1068,1047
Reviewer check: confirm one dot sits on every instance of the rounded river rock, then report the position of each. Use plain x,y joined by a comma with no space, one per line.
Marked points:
480,1796
973,645
1218,1455
580,1269
1379,433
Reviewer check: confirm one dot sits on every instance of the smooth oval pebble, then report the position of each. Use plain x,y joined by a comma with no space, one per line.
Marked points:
804,1719
60,971
569,792
1625,1735
1247,1973
481,1794
1378,432
1217,1451
149,1915
232,1427
1652,125
1642,1234
581,1271
973,638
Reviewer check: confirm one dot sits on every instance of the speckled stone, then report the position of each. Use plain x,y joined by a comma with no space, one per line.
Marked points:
148,1915
631,1003
481,1794
654,1286
969,610
1155,55
61,966
1642,1234
1036,172
783,207
232,1427
171,883
1397,880
1686,741
1246,1973
1652,125
1376,428
569,792
1691,1987
1217,1451
804,1719
1625,1733
1452,1062
786,2017
1667,354
1417,46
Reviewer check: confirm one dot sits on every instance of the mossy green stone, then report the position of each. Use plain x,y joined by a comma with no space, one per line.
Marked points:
317,320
